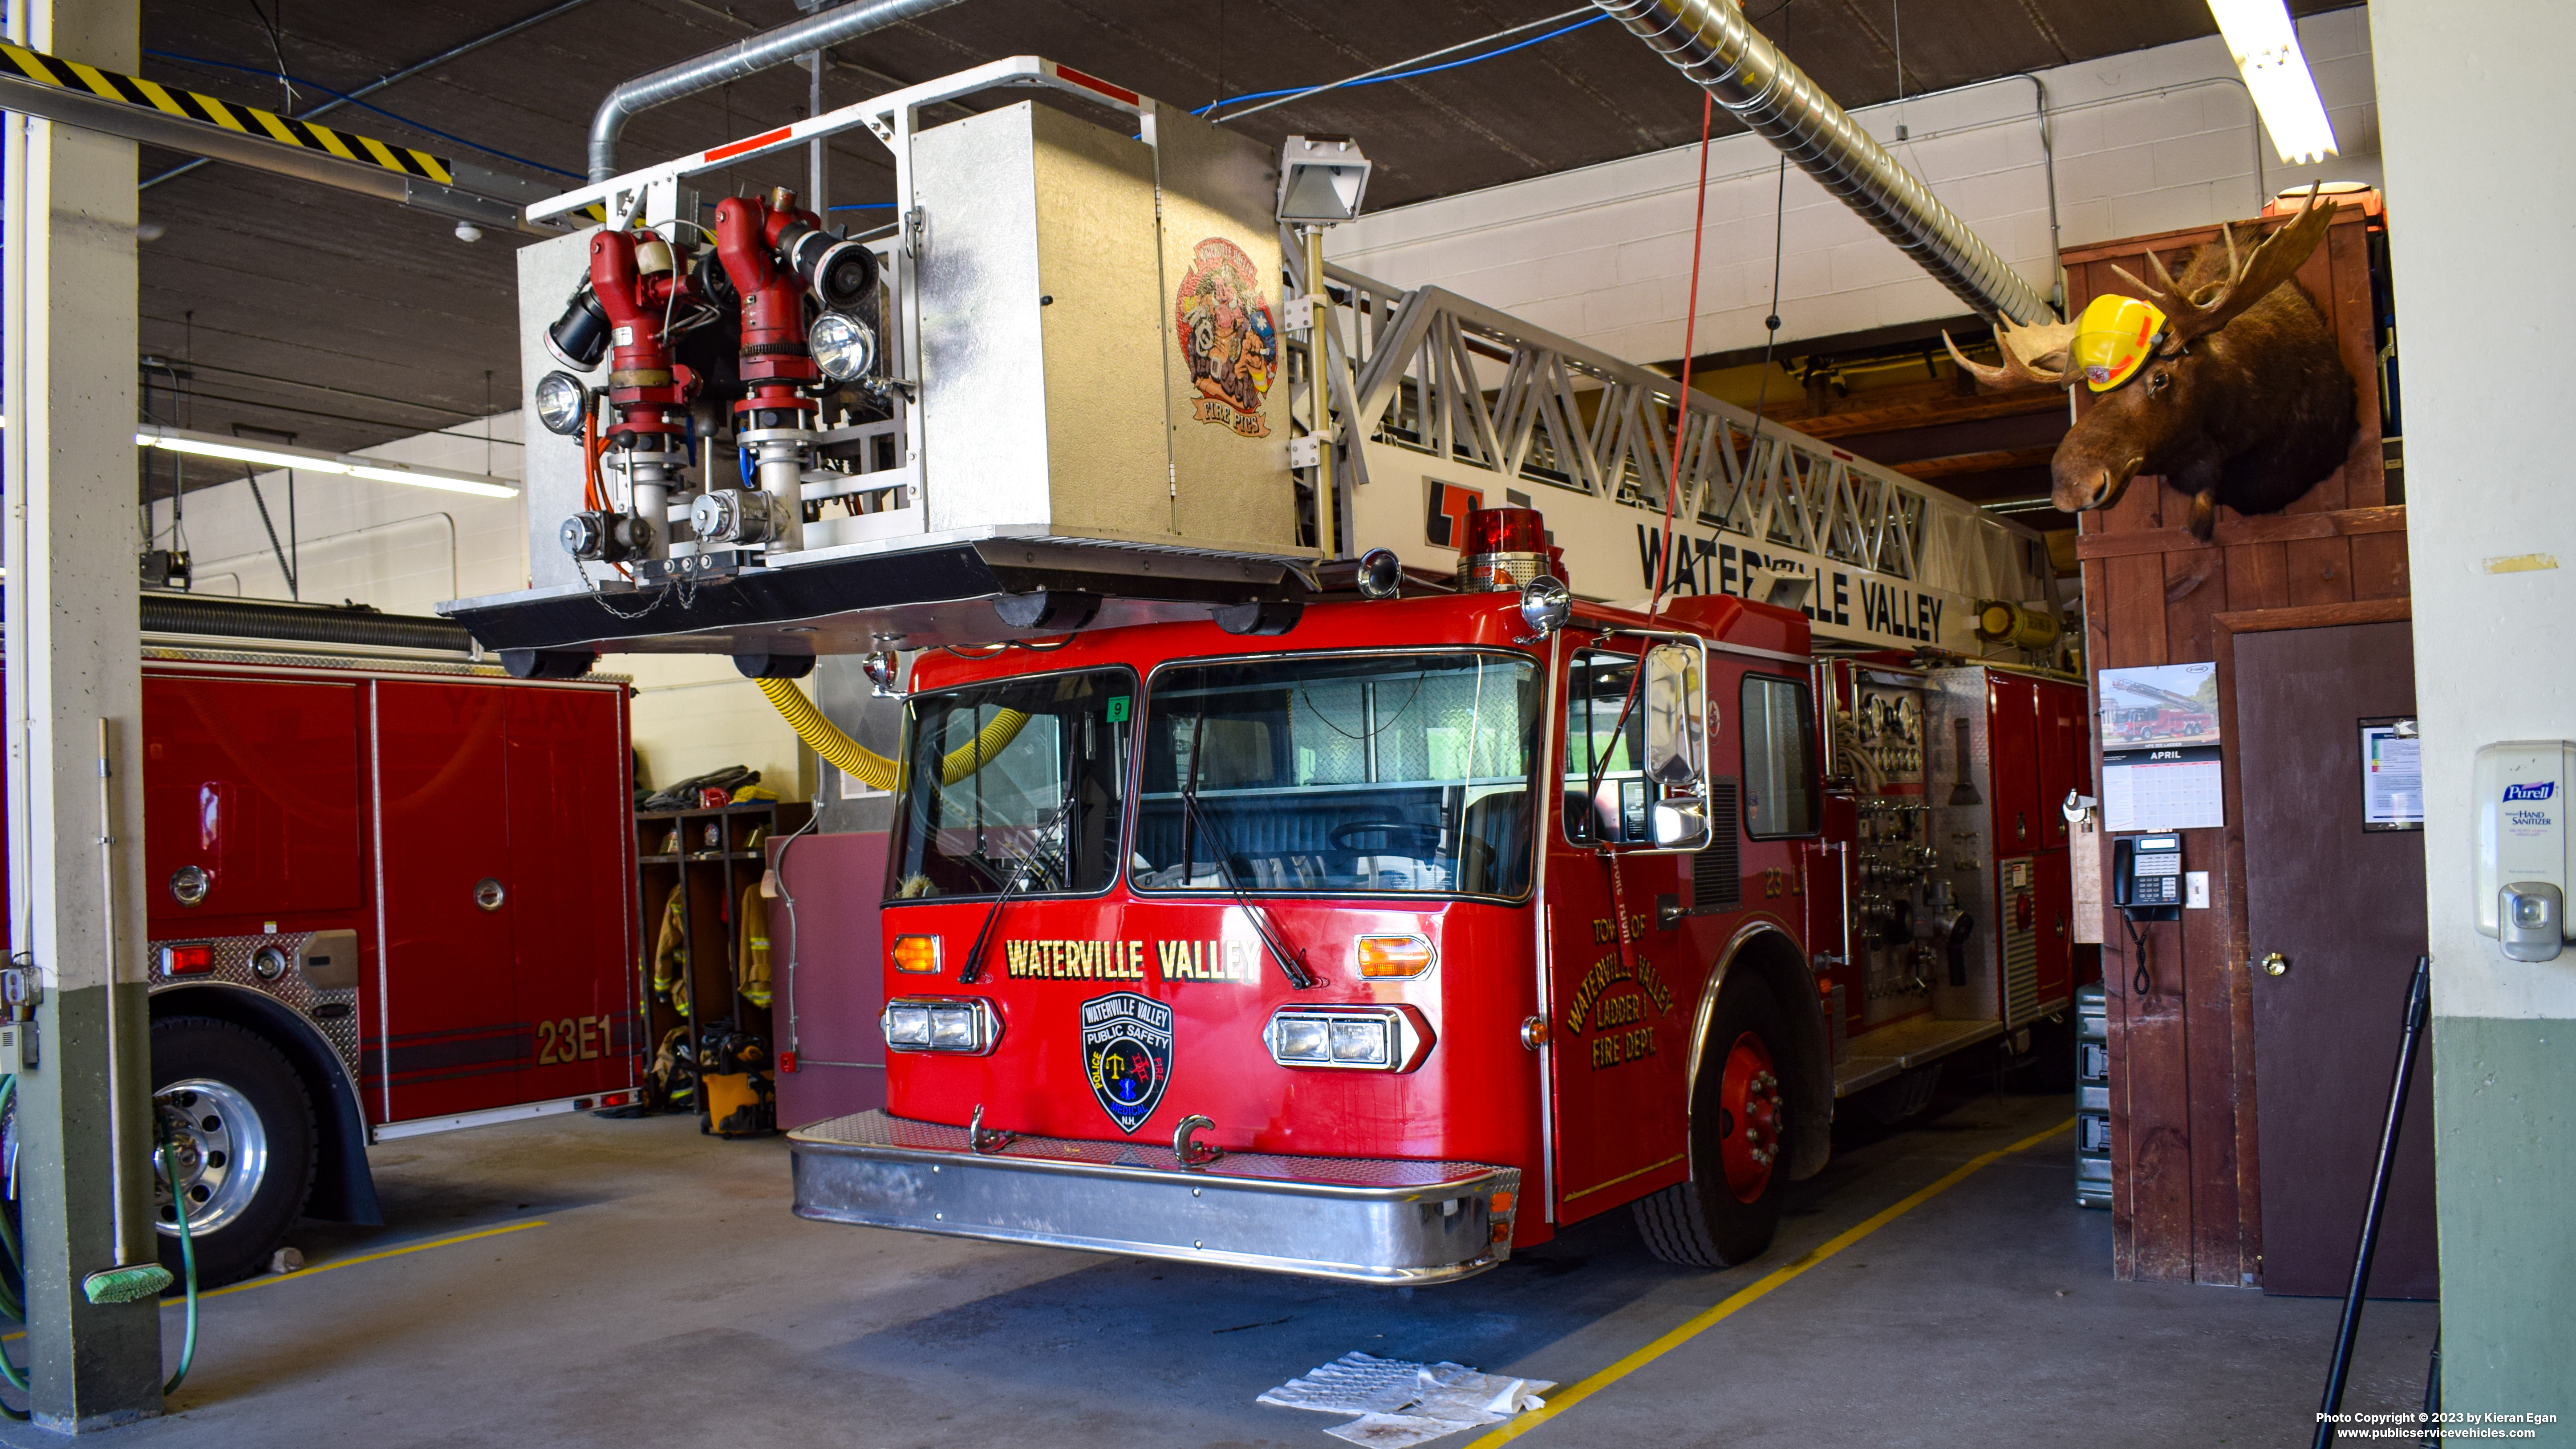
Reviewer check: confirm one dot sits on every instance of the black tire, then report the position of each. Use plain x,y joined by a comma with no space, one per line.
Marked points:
256,1205
1706,1222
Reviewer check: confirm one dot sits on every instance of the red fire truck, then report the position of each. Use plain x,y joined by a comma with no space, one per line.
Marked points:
1439,927
1290,871
391,893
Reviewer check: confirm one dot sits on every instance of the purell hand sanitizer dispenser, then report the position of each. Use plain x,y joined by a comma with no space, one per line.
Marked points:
2521,851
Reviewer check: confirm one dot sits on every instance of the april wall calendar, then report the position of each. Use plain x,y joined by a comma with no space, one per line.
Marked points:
2160,748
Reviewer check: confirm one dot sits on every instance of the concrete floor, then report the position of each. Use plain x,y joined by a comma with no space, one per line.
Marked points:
670,1299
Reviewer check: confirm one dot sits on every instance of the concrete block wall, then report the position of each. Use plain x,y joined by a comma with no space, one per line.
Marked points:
405,550
2148,141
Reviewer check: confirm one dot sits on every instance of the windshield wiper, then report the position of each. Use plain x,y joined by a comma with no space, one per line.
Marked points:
1298,976
973,970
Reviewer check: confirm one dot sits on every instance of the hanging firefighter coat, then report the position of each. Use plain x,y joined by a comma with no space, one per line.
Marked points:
671,953
751,958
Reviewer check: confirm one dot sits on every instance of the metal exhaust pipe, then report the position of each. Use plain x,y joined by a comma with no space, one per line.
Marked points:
733,62
1711,42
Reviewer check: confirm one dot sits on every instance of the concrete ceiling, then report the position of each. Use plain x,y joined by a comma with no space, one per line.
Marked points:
348,321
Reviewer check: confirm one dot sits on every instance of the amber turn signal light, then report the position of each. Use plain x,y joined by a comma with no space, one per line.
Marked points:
1396,956
916,954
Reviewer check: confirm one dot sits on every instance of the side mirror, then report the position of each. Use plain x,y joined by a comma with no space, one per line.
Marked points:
1674,701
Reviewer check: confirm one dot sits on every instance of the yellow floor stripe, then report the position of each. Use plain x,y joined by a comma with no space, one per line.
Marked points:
276,1278
1563,1400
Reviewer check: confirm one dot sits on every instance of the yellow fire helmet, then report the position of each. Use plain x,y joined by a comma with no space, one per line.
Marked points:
2113,337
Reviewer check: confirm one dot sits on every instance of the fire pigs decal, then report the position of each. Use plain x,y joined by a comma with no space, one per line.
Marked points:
1228,335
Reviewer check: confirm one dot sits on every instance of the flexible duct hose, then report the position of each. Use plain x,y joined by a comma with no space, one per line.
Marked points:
866,765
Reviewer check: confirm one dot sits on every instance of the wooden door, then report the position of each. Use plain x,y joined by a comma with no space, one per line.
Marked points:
2345,906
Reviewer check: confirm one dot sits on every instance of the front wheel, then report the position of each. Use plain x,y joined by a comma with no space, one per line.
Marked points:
239,1131
1729,1210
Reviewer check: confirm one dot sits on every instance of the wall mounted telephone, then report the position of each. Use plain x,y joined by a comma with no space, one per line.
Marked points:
2146,877
2146,885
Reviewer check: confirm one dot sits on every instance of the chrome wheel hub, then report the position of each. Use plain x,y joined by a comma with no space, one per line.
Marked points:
217,1148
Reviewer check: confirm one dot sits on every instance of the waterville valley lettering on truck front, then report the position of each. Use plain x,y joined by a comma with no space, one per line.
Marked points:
1175,961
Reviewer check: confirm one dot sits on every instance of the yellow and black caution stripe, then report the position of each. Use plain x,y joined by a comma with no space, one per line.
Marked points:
89,80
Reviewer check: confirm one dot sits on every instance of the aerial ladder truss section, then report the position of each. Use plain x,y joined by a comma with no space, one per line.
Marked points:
1442,403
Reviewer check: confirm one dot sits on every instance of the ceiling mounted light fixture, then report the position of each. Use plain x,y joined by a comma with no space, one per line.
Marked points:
313,460
2265,43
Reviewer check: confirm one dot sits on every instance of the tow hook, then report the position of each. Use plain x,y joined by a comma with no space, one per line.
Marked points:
1188,1151
986,1143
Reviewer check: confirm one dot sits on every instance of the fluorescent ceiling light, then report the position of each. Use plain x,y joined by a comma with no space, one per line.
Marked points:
312,460
2266,47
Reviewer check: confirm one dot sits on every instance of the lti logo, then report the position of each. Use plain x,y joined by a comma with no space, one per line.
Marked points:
2541,791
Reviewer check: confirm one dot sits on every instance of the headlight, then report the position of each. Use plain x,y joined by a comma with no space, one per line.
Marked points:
1301,1039
1359,1043
952,1028
561,403
966,1025
1352,1038
843,346
907,1026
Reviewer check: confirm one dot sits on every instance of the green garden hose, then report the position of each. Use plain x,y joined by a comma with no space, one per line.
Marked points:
13,1274
187,1267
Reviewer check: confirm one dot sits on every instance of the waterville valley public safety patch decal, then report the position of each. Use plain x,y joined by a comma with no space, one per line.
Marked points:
1127,1052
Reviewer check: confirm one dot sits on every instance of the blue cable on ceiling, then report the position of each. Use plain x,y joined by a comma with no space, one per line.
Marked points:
1404,74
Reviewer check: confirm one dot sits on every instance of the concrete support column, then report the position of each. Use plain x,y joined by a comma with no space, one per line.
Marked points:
75,873
2472,100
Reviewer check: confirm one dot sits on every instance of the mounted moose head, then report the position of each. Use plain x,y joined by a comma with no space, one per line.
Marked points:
2228,386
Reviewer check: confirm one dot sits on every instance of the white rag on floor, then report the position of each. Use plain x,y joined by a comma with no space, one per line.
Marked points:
1402,1403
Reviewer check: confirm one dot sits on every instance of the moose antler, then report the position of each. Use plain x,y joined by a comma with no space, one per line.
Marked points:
2031,354
2190,316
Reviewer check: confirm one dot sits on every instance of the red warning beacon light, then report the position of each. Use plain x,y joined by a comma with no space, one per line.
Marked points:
1505,549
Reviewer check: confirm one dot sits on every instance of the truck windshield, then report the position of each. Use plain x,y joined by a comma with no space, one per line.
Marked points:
1011,775
1342,773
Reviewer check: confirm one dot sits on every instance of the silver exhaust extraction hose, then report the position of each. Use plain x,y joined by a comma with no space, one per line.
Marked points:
1711,42
733,62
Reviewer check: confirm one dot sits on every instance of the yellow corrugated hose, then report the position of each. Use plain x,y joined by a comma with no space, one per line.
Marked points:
866,765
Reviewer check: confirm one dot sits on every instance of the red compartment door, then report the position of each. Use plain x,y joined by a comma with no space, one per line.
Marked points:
450,1037
571,887
2064,755
255,782
2011,749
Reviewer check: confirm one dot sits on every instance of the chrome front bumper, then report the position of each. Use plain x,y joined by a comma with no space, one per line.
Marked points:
1362,1220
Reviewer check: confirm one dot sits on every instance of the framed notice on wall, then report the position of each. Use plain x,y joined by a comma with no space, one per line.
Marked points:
2392,775
2160,748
